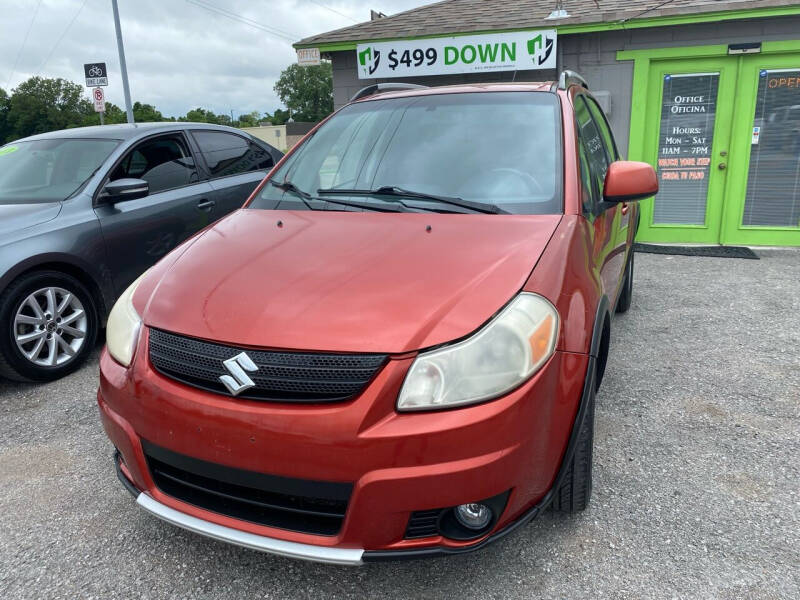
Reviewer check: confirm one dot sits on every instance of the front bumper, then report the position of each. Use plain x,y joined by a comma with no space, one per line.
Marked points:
398,463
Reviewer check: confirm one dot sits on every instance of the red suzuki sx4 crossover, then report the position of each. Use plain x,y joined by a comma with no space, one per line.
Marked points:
392,350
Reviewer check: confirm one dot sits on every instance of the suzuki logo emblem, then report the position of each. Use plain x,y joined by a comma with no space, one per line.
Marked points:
238,380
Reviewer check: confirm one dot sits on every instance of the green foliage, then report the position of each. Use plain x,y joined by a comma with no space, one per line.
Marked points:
307,91
5,105
279,117
224,120
199,115
38,105
114,114
249,120
147,113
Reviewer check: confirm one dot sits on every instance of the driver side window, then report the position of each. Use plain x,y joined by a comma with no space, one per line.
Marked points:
164,162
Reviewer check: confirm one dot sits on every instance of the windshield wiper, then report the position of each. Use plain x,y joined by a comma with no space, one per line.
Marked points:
391,190
288,186
305,197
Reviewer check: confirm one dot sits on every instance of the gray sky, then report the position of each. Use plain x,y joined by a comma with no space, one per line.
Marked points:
180,56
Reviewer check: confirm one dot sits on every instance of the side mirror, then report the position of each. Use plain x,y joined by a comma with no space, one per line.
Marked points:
125,189
628,180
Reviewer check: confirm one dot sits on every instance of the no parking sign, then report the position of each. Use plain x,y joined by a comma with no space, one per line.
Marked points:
99,100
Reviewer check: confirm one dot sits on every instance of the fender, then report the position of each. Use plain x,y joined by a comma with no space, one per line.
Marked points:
99,285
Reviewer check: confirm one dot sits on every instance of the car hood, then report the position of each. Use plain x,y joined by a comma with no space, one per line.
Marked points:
344,281
14,217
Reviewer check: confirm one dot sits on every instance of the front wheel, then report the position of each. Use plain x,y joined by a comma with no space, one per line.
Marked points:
48,326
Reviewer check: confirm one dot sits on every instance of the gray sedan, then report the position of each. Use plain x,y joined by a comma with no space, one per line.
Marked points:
85,211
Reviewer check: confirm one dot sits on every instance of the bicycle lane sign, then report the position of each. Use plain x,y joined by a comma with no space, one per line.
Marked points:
96,74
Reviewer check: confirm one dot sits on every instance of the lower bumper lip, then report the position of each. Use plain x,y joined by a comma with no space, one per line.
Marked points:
336,556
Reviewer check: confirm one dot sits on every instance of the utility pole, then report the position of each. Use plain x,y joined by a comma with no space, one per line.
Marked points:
122,65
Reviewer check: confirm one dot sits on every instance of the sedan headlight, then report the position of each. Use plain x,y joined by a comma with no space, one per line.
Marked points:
496,359
122,329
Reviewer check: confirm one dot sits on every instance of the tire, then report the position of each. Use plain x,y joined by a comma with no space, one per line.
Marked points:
22,326
626,295
576,488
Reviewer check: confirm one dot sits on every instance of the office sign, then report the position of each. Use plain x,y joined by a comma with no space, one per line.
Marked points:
517,51
308,57
96,74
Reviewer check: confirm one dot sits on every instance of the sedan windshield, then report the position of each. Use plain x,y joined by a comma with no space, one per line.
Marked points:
496,152
49,170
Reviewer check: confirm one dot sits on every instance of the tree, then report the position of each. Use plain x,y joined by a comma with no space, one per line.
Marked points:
39,104
146,113
279,117
249,120
199,115
307,91
5,104
114,114
222,120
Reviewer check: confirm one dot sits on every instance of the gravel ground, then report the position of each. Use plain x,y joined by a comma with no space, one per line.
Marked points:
697,477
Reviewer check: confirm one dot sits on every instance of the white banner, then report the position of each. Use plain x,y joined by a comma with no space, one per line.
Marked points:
517,51
308,57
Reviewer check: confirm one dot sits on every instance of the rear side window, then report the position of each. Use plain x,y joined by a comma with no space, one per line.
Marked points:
164,162
230,154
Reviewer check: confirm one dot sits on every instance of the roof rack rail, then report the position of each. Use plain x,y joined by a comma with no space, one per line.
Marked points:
377,88
569,78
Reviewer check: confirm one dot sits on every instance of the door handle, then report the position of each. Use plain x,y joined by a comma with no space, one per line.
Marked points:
206,205
722,166
625,208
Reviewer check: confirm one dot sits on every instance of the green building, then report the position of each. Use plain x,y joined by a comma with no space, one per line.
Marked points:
708,91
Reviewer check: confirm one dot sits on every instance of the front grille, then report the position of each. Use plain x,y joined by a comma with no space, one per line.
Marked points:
316,507
281,376
423,523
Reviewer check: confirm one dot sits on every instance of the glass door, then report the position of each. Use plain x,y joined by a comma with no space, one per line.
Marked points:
763,203
687,134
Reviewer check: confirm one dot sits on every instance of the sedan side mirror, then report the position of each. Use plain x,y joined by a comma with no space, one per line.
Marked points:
125,189
628,180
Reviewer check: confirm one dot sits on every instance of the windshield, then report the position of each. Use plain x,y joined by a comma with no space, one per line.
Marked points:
498,149
49,170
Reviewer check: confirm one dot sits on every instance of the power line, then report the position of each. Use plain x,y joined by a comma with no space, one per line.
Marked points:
62,36
647,10
287,35
333,10
24,41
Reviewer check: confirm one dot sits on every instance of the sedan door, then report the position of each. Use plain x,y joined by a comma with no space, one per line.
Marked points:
139,232
236,165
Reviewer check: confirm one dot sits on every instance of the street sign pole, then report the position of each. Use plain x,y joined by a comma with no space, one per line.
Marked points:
102,120
122,66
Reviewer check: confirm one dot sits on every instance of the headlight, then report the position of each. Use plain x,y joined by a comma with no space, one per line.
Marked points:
122,329
496,359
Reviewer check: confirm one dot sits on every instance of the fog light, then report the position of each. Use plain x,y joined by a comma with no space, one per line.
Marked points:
473,516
